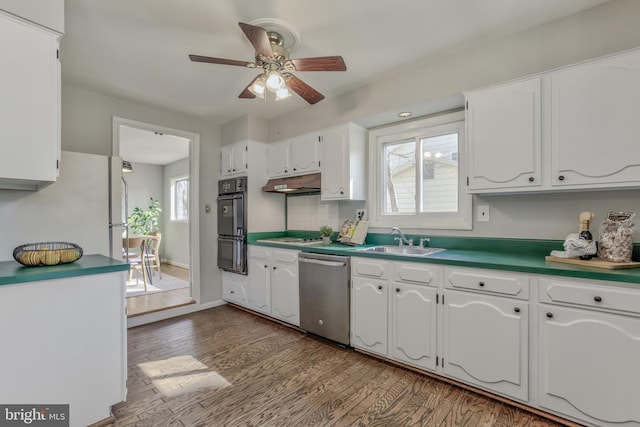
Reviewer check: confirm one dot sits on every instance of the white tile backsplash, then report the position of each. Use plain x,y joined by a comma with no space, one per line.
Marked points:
309,213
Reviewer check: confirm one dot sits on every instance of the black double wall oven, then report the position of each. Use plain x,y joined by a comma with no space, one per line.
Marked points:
232,225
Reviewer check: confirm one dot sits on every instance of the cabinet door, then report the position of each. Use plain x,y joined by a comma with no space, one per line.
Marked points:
226,161
486,342
369,315
304,153
589,365
239,157
258,287
278,159
336,183
285,299
29,106
504,123
234,290
413,325
594,123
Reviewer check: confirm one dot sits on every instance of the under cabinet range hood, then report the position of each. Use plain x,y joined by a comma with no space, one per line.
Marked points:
294,185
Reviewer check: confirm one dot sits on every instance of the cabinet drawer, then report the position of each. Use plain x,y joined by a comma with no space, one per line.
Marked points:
259,252
590,295
284,256
415,272
370,268
490,281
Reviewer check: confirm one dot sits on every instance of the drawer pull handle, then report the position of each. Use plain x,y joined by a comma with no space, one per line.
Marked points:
597,298
531,179
397,289
517,309
549,315
481,284
380,287
561,178
232,292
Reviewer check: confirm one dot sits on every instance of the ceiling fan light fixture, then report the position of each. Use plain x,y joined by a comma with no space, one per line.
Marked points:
258,87
282,93
275,81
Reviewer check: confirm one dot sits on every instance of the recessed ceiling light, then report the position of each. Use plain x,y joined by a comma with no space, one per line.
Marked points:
405,114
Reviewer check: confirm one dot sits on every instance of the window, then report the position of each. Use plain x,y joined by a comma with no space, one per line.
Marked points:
180,199
416,172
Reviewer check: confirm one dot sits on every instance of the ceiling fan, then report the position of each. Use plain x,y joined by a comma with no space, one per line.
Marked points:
273,58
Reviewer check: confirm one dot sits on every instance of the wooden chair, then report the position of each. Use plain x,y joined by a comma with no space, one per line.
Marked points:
152,252
136,251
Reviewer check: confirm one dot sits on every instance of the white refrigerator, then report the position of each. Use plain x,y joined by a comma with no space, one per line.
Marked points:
76,208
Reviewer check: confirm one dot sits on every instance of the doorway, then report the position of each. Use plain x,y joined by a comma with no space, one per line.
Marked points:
157,198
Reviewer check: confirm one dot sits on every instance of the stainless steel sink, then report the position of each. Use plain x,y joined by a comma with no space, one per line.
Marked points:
401,250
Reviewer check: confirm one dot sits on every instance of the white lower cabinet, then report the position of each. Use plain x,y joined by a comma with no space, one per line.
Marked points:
234,288
413,324
272,284
589,351
486,342
369,305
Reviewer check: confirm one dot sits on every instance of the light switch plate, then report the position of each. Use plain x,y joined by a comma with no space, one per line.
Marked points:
482,213
207,208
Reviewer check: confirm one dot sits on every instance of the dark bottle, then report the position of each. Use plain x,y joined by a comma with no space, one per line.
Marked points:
586,235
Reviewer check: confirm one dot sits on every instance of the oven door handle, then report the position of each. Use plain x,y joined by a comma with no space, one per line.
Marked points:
322,262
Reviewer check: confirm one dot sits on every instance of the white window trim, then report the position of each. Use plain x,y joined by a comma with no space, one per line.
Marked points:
172,182
441,221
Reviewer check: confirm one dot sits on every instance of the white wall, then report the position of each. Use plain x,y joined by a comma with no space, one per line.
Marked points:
175,238
606,29
144,182
48,13
86,127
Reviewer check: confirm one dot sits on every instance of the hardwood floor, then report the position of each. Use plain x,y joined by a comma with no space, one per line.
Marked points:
150,303
278,376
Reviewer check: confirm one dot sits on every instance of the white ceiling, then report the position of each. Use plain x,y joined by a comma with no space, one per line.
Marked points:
138,50
144,146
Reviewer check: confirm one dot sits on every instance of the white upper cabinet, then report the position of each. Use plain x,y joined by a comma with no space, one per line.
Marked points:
503,131
343,163
29,105
297,156
569,129
304,154
594,123
233,159
278,163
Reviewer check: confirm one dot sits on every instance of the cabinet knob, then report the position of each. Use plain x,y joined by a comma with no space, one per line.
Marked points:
531,179
517,309
341,192
274,267
266,266
397,289
285,171
481,284
561,178
597,298
233,292
380,287
295,169
549,314
234,170
228,170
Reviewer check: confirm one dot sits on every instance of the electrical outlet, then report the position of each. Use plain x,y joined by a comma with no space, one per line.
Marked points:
483,213
361,214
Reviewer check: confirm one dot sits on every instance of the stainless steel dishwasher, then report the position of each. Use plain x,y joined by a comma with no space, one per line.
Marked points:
324,295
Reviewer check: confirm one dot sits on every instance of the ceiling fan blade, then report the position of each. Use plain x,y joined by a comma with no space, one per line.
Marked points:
258,38
210,60
304,90
323,63
246,93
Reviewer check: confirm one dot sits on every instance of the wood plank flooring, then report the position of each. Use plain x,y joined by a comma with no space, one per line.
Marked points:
281,377
158,301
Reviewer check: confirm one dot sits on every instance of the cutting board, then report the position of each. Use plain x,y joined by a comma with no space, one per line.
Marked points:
594,262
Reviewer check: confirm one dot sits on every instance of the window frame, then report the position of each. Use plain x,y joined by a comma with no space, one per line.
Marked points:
433,125
173,198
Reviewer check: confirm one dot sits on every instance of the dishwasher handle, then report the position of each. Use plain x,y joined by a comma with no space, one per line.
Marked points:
322,262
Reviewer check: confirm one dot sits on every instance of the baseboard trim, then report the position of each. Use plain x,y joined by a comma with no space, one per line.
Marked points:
176,263
170,313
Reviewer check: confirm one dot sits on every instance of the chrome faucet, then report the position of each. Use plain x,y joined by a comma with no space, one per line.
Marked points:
423,241
402,239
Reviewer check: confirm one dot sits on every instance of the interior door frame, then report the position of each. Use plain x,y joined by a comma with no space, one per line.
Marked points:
194,188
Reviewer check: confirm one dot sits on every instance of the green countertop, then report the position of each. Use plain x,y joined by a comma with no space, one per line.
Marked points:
501,254
13,272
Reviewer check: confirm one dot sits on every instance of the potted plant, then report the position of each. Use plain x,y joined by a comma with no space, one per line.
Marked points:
143,222
326,232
